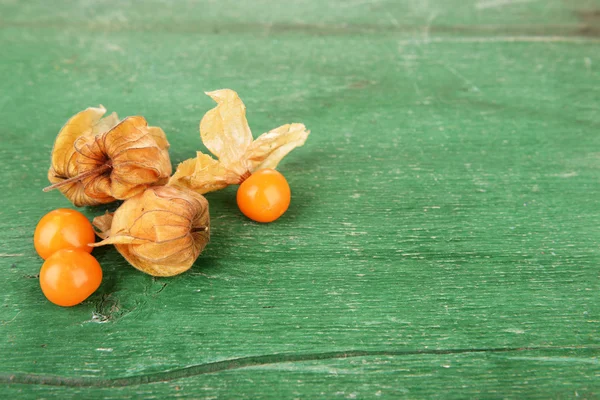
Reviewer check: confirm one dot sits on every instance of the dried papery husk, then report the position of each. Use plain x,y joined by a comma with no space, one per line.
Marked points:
114,165
225,132
87,123
161,231
135,159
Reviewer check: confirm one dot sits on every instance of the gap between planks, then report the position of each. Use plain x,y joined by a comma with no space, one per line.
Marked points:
246,362
501,39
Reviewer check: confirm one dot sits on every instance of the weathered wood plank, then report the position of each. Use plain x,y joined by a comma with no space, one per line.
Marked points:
446,199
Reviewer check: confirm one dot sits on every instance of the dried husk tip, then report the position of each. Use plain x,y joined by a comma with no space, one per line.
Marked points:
225,132
160,231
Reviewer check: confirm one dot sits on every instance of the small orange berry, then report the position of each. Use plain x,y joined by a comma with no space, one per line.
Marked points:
63,229
264,196
68,277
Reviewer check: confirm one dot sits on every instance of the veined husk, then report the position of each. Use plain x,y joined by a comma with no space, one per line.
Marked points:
99,160
160,231
225,132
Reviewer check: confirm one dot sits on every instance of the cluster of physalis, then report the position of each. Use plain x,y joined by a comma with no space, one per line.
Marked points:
163,224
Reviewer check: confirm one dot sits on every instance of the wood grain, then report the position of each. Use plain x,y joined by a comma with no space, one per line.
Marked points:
443,235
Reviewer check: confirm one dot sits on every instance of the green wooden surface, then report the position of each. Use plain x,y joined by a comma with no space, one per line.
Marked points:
443,235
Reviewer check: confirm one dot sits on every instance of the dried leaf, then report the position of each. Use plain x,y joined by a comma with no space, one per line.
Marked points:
225,132
161,231
116,164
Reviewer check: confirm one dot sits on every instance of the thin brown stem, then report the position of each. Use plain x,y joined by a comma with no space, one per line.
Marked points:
243,177
95,171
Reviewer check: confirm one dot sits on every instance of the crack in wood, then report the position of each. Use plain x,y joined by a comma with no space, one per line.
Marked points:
246,362
588,28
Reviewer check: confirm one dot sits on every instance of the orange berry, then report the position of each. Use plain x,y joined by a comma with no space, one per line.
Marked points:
68,277
63,229
264,196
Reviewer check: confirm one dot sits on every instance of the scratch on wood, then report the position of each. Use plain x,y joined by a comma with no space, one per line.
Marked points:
501,39
594,361
566,174
11,255
461,76
164,285
12,319
393,19
482,5
354,4
427,28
